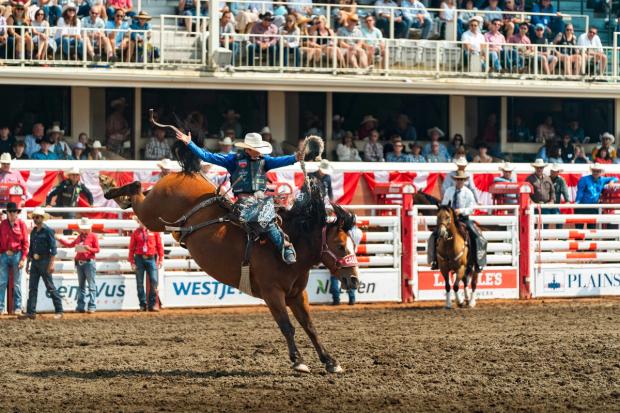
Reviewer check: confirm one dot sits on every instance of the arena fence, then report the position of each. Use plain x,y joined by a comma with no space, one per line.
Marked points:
183,284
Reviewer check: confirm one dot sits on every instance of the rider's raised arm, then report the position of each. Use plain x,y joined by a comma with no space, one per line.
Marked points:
226,161
273,162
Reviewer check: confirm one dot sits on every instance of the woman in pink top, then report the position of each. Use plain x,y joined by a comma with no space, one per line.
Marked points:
124,5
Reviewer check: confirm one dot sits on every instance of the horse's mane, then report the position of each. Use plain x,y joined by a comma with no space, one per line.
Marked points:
308,210
448,208
189,162
429,198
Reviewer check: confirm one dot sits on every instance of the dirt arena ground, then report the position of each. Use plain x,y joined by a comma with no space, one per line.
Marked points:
538,356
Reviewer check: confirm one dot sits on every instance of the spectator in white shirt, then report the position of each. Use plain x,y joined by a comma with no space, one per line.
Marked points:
594,49
473,40
95,35
346,151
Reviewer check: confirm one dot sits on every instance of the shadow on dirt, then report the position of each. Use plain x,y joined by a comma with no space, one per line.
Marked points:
106,374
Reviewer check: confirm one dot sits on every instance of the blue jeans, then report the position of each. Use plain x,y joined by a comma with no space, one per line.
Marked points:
38,270
7,262
426,26
150,267
69,45
86,274
296,56
53,12
334,290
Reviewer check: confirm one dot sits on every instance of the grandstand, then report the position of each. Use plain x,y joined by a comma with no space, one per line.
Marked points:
436,82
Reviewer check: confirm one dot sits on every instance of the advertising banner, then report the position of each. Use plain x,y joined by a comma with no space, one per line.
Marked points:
114,292
201,290
577,282
492,283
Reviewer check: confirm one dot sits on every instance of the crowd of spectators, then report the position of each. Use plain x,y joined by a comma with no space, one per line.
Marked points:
102,30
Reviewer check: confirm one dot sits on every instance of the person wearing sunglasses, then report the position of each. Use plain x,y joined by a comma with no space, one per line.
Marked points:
94,36
117,30
19,27
594,52
569,55
41,36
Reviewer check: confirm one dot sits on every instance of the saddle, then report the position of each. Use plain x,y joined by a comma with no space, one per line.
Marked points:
463,232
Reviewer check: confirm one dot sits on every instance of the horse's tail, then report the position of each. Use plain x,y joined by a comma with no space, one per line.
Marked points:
189,162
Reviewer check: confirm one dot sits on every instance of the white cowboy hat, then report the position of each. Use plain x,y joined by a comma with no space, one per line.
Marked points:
5,158
325,167
475,19
507,167
165,164
40,212
461,161
73,171
608,135
555,168
85,223
539,163
265,130
97,145
597,167
55,129
461,175
368,118
68,6
255,142
226,141
435,129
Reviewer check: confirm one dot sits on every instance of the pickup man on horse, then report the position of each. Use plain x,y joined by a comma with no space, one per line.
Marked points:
248,170
462,200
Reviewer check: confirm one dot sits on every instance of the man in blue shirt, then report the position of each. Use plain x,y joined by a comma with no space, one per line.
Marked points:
44,154
589,189
40,264
247,169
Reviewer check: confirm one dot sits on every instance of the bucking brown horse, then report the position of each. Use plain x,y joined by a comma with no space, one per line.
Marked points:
453,257
219,248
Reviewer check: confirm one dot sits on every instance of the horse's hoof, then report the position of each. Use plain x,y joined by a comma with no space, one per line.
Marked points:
472,303
335,369
301,367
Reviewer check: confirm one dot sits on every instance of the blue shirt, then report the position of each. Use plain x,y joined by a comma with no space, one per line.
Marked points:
43,157
403,157
589,190
42,242
229,161
118,35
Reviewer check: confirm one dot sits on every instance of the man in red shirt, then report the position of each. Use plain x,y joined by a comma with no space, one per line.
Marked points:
86,246
13,253
146,253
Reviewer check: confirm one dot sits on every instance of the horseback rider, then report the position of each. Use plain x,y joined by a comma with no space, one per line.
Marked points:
462,199
248,169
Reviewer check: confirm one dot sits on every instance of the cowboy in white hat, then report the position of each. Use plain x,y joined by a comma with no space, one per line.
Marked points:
323,177
434,135
86,247
461,163
248,169
560,187
95,153
590,187
607,141
68,193
507,176
268,137
462,200
40,264
7,175
226,145
544,192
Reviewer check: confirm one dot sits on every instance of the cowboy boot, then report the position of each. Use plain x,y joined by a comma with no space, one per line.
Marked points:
432,251
279,240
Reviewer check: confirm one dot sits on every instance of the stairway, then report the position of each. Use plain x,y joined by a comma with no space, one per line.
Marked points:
596,19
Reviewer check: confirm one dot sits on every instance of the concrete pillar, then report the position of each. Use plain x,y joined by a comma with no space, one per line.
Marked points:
80,111
214,30
137,122
503,123
292,118
276,115
456,115
97,114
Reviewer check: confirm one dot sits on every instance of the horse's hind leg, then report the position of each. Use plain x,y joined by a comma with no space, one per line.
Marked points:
277,306
459,276
446,280
466,290
301,310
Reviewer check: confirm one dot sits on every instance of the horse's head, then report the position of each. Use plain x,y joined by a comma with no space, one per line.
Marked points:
445,218
338,248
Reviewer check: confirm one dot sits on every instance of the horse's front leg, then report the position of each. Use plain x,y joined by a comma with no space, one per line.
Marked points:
276,303
446,280
474,283
457,280
301,310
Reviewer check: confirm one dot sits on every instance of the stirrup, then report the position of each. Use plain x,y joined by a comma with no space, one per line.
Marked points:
434,265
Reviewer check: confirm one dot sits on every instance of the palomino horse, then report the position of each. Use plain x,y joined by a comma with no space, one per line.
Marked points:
219,248
452,257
